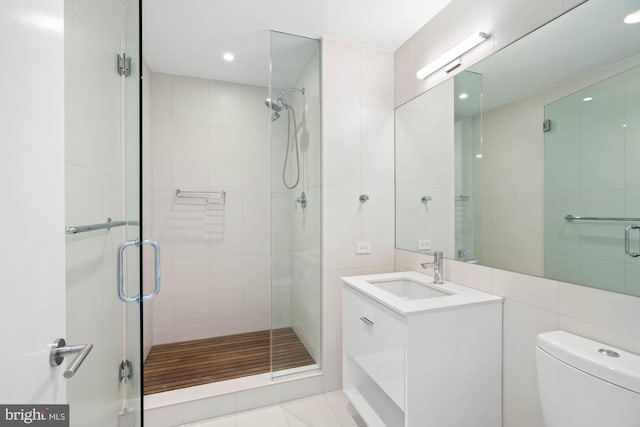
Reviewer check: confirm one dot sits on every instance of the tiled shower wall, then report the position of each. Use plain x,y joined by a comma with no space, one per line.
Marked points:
210,136
305,290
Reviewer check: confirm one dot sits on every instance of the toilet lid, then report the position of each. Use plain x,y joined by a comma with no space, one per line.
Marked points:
600,360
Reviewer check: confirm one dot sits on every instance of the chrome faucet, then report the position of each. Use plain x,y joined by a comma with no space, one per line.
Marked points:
438,256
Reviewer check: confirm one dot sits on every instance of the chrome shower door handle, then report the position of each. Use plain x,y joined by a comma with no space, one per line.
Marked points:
627,232
156,268
59,350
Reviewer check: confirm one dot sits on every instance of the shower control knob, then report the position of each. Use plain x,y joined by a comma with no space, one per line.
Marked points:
302,200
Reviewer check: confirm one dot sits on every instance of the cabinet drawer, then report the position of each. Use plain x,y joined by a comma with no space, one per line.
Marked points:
377,352
383,317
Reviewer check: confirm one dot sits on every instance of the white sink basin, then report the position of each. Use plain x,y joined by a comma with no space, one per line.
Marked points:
409,289
412,292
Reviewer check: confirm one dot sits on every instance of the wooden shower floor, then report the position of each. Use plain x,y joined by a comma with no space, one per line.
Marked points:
190,363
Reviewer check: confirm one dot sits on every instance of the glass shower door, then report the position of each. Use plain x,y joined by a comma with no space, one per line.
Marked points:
102,161
295,205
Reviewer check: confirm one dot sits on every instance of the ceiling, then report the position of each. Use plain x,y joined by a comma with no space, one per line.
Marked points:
188,37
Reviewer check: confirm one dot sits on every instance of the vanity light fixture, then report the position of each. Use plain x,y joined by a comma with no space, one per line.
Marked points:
587,99
228,56
632,18
463,95
451,59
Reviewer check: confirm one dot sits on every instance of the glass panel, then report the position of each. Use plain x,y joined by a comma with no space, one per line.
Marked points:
295,204
468,166
132,342
590,171
102,184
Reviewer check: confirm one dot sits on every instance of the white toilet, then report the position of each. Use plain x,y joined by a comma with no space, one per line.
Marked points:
582,383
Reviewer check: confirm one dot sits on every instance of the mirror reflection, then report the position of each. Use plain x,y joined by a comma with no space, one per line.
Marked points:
546,128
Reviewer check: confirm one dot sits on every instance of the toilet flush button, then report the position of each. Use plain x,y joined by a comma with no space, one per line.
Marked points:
608,352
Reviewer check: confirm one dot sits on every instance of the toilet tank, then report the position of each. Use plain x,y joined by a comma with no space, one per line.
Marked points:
582,383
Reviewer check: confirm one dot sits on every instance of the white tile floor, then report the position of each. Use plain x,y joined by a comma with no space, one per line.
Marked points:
323,410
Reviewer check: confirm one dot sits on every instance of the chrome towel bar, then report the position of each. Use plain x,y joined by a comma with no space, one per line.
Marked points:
213,197
598,218
109,224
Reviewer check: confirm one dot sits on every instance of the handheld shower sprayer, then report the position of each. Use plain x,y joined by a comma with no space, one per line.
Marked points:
276,106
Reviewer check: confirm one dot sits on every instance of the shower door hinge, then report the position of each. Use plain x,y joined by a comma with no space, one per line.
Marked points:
124,65
126,371
546,125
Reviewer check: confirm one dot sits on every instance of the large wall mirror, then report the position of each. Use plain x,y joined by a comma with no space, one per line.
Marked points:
530,160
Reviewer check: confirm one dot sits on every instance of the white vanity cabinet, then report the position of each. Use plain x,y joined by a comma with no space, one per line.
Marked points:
422,362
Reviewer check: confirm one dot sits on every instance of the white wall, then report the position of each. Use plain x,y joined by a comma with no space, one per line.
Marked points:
32,300
357,128
210,135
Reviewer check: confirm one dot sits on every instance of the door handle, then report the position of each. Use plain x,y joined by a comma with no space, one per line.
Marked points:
627,231
59,350
156,268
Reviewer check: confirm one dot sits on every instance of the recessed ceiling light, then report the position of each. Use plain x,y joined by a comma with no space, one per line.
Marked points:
478,156
632,18
587,99
463,95
228,56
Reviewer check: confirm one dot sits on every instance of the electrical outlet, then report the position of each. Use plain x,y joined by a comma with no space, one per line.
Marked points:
424,244
363,248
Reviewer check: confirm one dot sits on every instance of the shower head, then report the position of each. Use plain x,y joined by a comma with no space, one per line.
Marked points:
273,105
276,106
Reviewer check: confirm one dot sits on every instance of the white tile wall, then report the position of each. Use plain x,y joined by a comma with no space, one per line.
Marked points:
210,135
357,158
534,305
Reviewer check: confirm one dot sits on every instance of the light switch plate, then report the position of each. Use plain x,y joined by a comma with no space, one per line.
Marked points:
363,248
424,244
